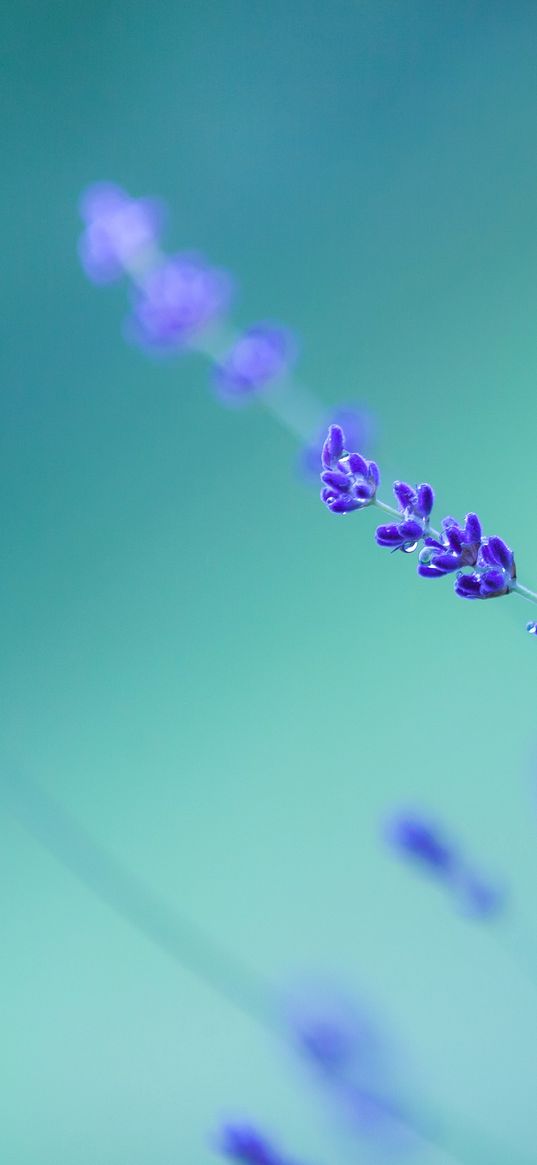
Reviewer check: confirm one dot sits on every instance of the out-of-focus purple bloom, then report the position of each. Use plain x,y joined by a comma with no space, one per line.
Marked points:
119,231
359,427
415,505
330,1032
344,1047
480,898
414,837
458,547
176,300
350,482
243,1143
494,574
420,840
260,355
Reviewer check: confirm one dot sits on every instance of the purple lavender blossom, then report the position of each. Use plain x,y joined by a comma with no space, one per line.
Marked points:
416,838
359,426
494,574
243,1143
176,300
260,355
415,505
344,1047
350,482
119,231
480,898
458,547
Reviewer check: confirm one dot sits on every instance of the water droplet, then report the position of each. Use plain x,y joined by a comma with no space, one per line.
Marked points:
531,628
409,547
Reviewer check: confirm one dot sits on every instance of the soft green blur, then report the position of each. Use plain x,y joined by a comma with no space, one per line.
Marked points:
226,685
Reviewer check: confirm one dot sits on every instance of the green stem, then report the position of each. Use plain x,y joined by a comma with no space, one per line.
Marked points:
531,596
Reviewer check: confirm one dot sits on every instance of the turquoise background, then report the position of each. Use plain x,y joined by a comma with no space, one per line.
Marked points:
226,685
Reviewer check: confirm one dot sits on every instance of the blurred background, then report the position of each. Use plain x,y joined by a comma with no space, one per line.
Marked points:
228,687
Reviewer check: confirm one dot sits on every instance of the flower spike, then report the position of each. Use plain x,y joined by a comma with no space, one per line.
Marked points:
350,483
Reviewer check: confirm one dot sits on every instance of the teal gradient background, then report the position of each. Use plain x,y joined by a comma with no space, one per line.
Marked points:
227,686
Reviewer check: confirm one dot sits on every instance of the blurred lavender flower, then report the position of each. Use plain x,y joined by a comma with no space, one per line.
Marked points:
415,506
420,840
458,547
349,481
243,1143
344,1048
176,300
479,898
120,231
260,355
359,426
416,838
494,574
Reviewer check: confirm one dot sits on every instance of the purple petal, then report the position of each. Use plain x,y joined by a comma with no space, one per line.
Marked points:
404,494
501,552
358,464
467,586
472,529
389,536
335,441
425,500
338,481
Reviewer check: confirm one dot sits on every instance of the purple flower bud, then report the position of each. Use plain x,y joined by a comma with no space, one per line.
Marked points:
177,300
259,356
119,231
335,442
357,423
472,529
389,536
501,553
467,586
358,465
405,495
425,501
336,479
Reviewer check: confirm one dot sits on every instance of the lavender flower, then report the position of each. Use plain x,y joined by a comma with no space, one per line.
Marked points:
480,898
350,482
494,574
358,424
416,838
459,546
119,232
243,1143
176,300
415,506
345,1049
423,843
260,355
